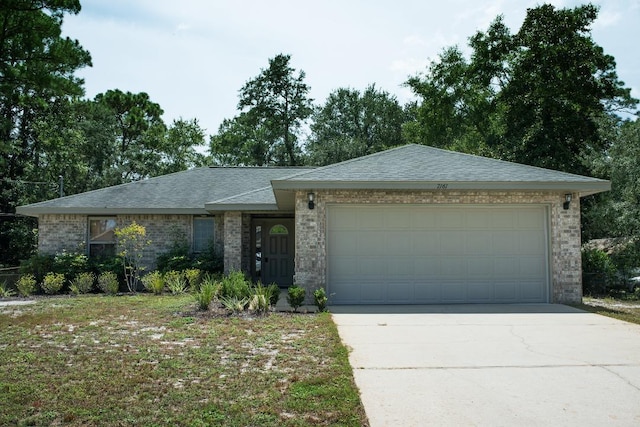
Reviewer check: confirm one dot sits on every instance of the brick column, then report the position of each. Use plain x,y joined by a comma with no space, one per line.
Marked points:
232,241
566,255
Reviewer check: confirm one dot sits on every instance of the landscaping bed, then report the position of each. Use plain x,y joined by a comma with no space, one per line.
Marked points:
158,360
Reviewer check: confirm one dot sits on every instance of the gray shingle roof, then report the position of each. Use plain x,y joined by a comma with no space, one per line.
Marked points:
419,166
201,190
181,192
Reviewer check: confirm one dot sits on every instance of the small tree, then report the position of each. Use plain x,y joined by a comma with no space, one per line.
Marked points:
131,244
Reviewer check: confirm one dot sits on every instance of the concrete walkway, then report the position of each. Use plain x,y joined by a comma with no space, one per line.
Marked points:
493,365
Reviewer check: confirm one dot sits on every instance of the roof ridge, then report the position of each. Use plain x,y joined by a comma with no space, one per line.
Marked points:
333,165
268,187
484,158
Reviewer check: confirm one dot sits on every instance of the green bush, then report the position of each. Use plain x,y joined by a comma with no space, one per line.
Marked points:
153,282
209,260
70,264
320,297
235,285
260,299
26,285
207,292
108,283
193,277
234,304
6,291
82,283
175,282
274,294
105,264
52,283
295,296
598,271
38,266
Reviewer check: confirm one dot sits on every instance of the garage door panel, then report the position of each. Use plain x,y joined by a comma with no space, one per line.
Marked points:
453,243
428,292
506,291
399,243
482,267
400,292
345,243
481,291
454,292
531,291
448,254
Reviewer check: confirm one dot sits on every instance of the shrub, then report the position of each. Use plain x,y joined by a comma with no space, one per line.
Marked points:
52,283
320,297
104,264
235,285
175,282
153,282
82,283
70,264
5,291
295,296
274,294
108,283
193,277
131,243
26,285
234,304
599,272
210,260
260,299
38,265
206,294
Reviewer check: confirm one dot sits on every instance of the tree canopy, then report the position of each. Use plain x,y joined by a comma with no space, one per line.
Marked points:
353,124
273,107
534,97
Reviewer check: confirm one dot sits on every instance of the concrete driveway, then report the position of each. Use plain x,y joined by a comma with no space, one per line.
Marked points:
492,365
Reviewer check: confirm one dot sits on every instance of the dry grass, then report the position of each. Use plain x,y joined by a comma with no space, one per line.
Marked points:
148,360
628,311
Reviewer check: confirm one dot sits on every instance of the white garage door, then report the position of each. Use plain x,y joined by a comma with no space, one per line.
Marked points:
437,254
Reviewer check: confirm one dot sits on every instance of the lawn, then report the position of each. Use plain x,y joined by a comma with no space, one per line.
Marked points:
626,310
149,361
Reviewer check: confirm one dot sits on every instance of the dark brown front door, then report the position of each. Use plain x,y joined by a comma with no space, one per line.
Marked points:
276,254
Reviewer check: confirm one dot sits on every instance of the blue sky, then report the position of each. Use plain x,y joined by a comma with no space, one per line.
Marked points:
193,56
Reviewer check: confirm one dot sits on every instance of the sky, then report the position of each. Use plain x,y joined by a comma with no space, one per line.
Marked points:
193,56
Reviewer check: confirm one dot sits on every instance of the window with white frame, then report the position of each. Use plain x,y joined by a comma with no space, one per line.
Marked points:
102,237
203,233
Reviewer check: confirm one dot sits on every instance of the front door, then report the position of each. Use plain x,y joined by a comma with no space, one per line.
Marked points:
274,251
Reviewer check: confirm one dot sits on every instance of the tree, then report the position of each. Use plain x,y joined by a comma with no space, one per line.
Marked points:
139,134
352,124
132,242
179,148
37,67
273,107
536,97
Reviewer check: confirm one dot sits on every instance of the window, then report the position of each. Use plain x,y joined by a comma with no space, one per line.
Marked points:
102,238
203,228
278,230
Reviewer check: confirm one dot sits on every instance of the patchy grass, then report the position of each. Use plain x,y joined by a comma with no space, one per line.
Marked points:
148,360
628,311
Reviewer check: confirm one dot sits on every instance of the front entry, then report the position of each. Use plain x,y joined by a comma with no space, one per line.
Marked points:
274,244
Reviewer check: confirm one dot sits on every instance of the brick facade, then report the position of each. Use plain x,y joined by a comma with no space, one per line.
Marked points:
565,263
233,232
57,233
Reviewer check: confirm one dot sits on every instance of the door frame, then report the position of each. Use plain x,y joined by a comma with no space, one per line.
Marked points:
266,222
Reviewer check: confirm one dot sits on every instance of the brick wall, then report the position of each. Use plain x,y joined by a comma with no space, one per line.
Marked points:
565,264
69,232
233,232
